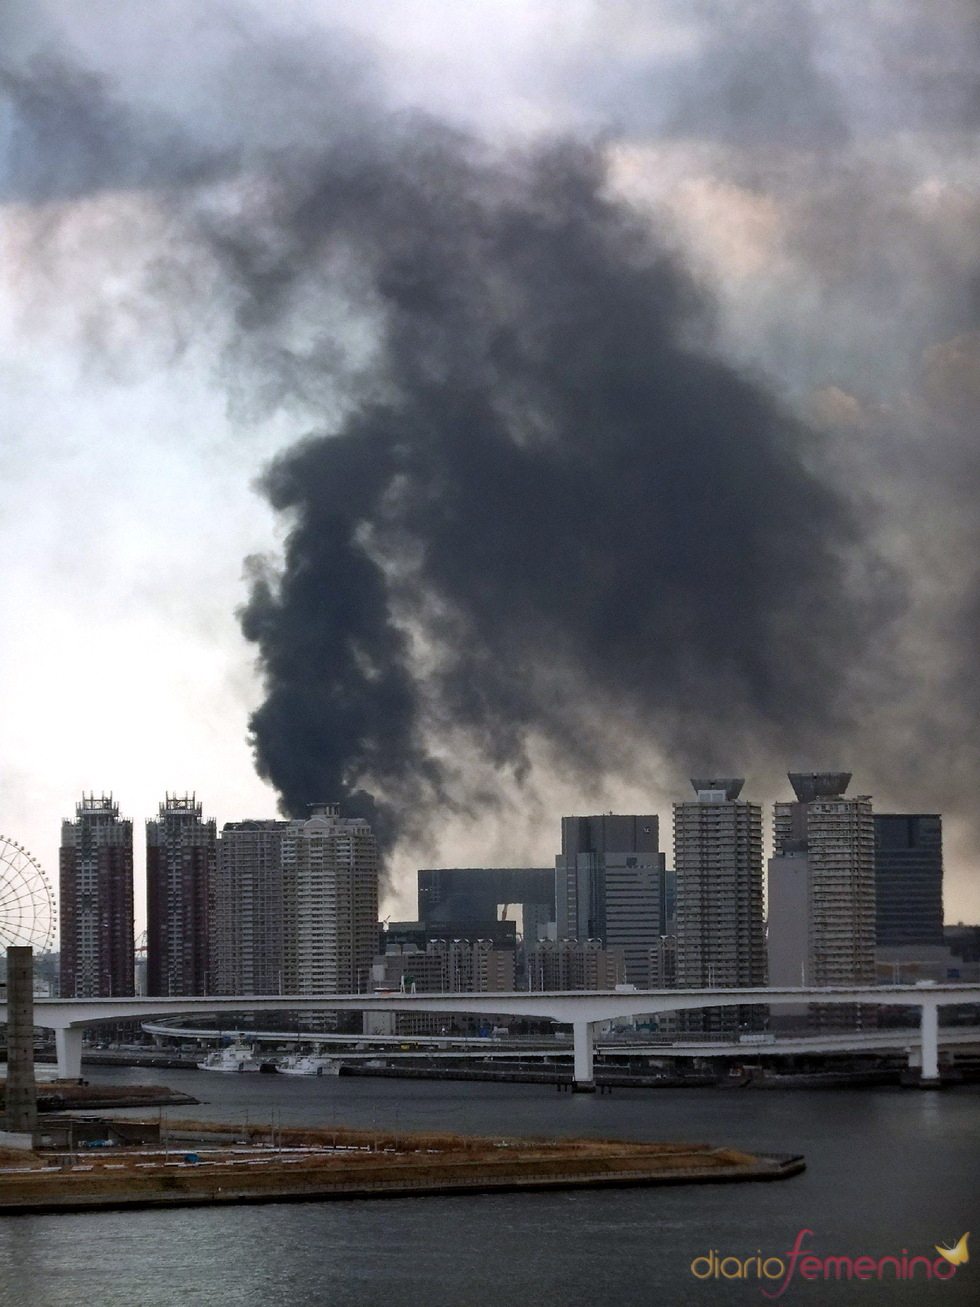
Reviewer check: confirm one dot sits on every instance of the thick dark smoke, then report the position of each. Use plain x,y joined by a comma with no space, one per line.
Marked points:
554,487
541,519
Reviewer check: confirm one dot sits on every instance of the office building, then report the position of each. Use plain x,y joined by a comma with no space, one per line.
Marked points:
246,930
822,885
720,930
180,865
96,875
571,964
330,903
610,885
450,897
908,879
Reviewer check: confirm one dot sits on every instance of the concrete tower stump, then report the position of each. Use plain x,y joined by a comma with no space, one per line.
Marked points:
21,1090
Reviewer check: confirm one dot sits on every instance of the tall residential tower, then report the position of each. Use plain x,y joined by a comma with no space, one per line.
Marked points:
330,903
96,866
720,929
822,885
246,939
180,864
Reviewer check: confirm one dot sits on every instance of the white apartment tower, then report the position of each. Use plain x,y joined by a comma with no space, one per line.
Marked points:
330,903
720,930
822,885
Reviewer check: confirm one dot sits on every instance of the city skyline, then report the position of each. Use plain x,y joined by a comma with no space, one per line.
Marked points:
776,811
481,845
824,599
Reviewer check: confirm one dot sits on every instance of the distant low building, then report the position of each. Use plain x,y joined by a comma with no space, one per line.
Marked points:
572,964
443,966
408,970
964,946
446,966
909,964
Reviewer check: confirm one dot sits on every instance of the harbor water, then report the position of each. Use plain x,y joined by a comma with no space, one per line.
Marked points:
888,1171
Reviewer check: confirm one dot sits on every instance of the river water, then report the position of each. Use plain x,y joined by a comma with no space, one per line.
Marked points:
887,1170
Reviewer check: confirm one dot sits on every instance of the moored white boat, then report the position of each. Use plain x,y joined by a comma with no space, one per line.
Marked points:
234,1057
309,1064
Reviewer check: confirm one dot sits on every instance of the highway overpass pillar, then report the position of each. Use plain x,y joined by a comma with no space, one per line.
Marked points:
582,1033
68,1045
21,1091
929,1031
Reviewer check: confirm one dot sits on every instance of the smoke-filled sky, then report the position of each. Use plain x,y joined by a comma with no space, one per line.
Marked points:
481,413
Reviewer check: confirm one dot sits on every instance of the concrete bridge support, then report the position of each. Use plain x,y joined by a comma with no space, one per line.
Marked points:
68,1045
584,1079
929,1031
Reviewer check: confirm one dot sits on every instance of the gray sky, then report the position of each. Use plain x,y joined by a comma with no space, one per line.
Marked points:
813,165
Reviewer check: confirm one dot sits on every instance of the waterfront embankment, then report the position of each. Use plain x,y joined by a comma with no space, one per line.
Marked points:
66,1096
309,1165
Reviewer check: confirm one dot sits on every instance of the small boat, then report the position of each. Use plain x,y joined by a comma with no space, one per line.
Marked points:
235,1057
309,1064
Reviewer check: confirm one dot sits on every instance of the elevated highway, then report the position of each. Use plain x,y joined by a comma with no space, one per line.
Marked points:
581,1009
898,1039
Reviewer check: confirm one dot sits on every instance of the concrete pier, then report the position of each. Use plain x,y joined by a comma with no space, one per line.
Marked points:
584,1076
929,1078
68,1045
21,1091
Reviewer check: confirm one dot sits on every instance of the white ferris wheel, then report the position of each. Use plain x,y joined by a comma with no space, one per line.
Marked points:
27,912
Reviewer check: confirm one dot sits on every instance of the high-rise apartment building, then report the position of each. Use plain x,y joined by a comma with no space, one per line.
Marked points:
180,865
96,874
330,903
908,879
246,930
822,885
610,886
720,932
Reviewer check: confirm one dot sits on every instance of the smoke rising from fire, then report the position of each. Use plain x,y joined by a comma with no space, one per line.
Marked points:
560,499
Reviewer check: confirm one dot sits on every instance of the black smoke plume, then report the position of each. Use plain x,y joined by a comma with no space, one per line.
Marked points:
541,515
548,507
